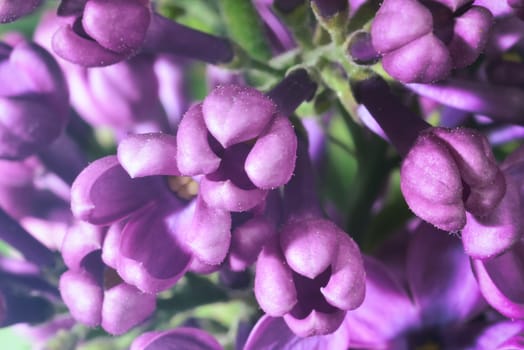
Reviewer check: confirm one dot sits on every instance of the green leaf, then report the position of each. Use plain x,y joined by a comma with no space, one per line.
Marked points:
245,27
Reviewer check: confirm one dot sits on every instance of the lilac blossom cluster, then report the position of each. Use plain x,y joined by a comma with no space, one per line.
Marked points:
263,174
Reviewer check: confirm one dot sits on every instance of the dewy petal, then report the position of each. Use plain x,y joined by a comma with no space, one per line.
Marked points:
179,338
209,234
72,47
316,323
470,33
226,195
389,30
274,287
346,287
443,287
235,113
386,312
490,235
501,281
271,161
274,333
148,154
151,256
424,60
104,193
79,241
431,184
194,154
83,296
118,25
310,245
124,307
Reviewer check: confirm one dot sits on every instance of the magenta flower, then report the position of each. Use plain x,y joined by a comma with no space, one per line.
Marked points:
11,10
180,338
441,35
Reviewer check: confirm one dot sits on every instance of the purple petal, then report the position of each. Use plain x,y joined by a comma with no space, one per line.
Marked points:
104,193
148,154
194,154
152,257
179,338
124,307
235,114
274,287
118,25
226,195
83,296
497,335
501,281
271,161
316,323
347,286
444,286
10,10
79,241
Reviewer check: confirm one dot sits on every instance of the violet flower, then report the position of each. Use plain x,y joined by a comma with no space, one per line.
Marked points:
93,292
11,10
312,273
143,189
107,32
241,142
441,35
518,7
34,100
179,338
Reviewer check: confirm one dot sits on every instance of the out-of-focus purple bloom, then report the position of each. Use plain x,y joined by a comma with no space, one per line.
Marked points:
143,189
179,338
312,273
441,35
430,301
11,10
173,91
243,146
518,7
33,102
93,292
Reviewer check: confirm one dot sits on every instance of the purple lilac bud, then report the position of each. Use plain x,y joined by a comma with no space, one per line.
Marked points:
360,49
180,338
34,100
312,273
441,35
329,8
448,173
11,10
93,292
240,143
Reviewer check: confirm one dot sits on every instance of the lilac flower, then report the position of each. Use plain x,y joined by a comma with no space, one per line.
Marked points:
34,100
11,10
240,143
312,273
97,38
93,292
142,188
441,35
518,7
179,338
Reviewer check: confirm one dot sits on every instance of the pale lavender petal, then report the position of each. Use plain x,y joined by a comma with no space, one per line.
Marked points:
274,287
316,323
226,195
79,241
125,307
148,154
235,113
271,161
194,154
180,338
104,193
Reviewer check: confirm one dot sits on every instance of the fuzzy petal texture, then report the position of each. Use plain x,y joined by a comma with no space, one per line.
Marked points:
194,153
152,257
274,287
104,193
235,113
125,307
316,323
180,338
501,281
271,161
148,154
226,195
79,241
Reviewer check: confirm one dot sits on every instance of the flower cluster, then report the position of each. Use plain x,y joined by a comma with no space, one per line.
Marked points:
263,174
